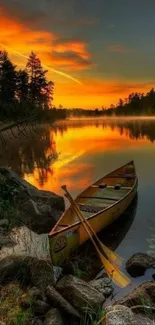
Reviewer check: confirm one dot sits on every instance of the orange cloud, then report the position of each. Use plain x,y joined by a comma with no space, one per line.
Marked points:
118,48
70,54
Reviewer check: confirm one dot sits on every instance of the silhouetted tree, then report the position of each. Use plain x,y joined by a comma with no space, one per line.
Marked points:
22,86
40,90
7,79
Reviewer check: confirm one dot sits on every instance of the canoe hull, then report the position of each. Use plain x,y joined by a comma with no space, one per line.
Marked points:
65,242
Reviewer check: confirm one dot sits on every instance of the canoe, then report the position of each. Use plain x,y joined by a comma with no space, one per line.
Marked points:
101,203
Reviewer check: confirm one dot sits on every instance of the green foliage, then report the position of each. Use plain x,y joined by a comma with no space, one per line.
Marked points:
7,207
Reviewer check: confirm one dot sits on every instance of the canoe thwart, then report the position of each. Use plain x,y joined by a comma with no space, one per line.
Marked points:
98,197
121,176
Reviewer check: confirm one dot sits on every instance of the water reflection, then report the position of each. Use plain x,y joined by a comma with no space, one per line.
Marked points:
36,150
75,151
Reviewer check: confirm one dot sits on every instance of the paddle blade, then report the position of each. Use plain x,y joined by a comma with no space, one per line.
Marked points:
116,275
113,257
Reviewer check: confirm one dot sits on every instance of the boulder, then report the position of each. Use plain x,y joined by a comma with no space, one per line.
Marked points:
39,210
139,263
4,223
27,269
143,294
54,317
5,240
35,321
103,285
40,307
41,273
121,315
58,301
80,293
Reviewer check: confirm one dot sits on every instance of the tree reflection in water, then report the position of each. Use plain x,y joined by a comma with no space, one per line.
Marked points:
36,150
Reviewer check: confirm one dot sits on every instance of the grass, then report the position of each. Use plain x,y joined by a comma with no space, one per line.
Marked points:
145,306
89,317
11,311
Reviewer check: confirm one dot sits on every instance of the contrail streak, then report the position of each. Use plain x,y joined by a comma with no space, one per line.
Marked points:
45,66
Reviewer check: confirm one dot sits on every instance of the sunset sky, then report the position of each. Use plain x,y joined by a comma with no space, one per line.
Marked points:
96,50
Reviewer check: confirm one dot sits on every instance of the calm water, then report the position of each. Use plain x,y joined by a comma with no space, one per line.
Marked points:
77,153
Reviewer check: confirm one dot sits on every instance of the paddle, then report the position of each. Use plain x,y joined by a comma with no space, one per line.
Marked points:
112,271
113,257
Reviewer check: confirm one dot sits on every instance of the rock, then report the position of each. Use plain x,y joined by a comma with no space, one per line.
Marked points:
35,321
53,317
41,272
39,217
4,223
139,263
5,240
41,307
119,315
145,293
58,301
30,297
57,272
39,210
140,320
103,285
14,267
80,293
27,269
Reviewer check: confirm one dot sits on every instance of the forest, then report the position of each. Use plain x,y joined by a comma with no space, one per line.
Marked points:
25,93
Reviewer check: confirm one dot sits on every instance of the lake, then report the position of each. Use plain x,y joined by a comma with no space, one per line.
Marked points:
78,152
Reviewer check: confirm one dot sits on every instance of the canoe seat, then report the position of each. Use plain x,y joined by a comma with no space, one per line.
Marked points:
89,208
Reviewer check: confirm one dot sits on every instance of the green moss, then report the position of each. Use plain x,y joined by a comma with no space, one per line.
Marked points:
11,311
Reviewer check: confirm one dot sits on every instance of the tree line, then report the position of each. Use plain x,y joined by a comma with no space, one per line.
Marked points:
137,104
26,92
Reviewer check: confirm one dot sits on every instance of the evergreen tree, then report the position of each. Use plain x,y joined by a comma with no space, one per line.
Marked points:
22,86
39,89
7,79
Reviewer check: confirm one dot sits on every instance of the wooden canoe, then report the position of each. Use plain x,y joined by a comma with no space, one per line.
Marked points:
101,203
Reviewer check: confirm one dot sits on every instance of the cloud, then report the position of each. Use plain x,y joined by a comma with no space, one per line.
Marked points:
68,60
118,48
54,50
22,13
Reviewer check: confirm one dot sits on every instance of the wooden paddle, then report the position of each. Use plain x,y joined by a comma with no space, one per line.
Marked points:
113,257
112,271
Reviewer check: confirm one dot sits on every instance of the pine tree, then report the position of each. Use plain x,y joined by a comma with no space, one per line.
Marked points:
7,79
22,86
39,89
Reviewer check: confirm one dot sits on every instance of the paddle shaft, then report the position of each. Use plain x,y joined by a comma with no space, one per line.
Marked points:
84,220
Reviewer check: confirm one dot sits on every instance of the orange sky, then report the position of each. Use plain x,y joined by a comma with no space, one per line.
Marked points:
81,85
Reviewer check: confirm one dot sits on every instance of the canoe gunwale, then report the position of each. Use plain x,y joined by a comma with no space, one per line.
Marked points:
54,233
